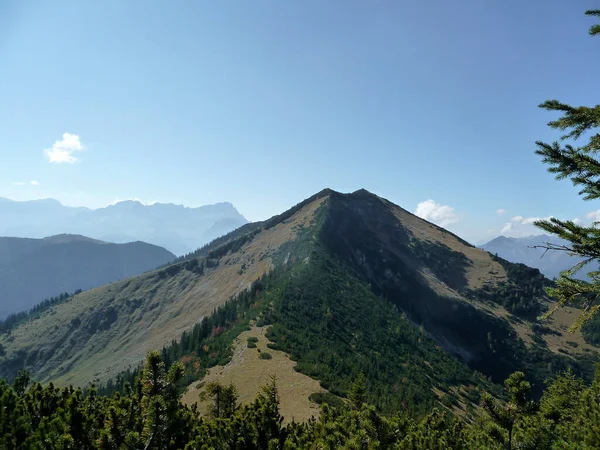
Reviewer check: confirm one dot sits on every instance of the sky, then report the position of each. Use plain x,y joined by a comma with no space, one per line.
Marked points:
430,104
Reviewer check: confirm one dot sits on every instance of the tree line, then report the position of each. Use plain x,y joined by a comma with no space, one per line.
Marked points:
148,415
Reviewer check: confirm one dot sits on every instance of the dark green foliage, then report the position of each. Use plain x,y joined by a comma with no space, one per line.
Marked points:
336,328
505,416
591,330
358,391
224,399
148,415
232,246
265,355
252,342
194,265
203,251
362,233
102,320
14,320
326,397
581,165
523,293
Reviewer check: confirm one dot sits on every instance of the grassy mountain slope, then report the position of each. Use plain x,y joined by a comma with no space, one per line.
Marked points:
34,269
361,286
101,332
248,371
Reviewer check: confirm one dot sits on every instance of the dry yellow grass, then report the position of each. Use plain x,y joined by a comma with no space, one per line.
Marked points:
247,372
170,306
561,320
483,268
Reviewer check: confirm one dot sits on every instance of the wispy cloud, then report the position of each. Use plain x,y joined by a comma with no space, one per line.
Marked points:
520,226
501,211
442,215
62,151
28,183
594,216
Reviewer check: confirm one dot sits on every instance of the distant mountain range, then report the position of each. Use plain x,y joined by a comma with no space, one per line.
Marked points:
32,270
550,263
177,228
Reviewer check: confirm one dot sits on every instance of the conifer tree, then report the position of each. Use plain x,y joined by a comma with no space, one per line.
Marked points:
582,166
506,415
358,391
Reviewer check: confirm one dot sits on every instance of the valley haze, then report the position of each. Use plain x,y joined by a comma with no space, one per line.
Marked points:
177,228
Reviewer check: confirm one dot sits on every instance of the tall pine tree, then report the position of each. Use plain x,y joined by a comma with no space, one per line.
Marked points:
582,166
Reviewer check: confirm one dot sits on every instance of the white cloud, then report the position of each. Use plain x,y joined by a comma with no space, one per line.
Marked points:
62,151
501,211
30,183
520,226
594,216
506,229
531,220
442,215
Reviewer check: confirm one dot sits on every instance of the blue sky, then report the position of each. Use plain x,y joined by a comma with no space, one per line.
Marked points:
263,103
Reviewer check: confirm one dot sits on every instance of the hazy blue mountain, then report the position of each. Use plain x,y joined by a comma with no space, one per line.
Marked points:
519,250
175,227
32,270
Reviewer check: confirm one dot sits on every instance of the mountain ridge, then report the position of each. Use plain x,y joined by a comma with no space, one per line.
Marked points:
178,228
65,263
475,307
529,251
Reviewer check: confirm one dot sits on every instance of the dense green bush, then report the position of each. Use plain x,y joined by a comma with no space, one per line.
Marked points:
591,330
149,415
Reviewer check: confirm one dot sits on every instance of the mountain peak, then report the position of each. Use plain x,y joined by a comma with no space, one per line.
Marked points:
349,253
363,191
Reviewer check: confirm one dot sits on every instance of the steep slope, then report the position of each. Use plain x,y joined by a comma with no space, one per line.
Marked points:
349,283
175,227
100,332
34,269
520,250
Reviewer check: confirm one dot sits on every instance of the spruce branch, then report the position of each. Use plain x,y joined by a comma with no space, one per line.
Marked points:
594,29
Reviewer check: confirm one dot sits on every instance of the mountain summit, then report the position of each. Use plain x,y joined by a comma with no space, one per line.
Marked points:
343,282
